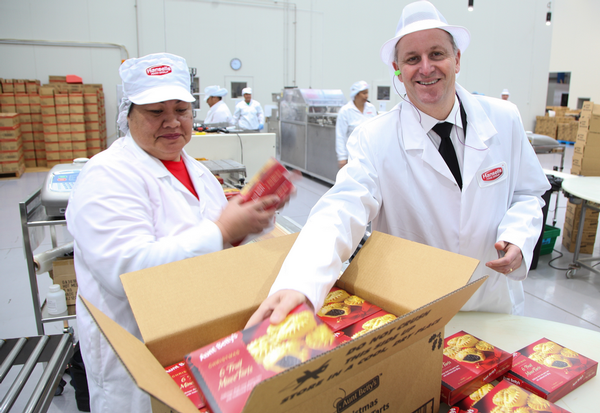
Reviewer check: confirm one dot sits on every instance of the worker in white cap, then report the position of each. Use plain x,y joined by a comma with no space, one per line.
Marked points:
145,202
248,114
352,114
471,185
218,112
505,94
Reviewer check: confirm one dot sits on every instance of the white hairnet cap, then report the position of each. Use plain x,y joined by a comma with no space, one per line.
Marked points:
214,91
247,90
156,78
358,87
422,15
505,92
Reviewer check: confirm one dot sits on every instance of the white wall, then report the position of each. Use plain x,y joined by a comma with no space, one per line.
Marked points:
309,43
574,47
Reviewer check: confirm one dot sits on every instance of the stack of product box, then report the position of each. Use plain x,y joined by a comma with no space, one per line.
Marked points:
571,227
586,154
59,121
545,125
11,145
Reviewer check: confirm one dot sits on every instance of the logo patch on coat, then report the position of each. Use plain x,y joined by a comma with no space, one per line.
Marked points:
492,175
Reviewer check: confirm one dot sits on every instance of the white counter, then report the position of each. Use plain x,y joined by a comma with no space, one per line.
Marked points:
257,148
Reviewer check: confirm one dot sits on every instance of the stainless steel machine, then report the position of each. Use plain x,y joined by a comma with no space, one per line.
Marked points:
308,118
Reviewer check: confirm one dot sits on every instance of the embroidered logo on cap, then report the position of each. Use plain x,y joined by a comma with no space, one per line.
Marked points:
492,174
158,70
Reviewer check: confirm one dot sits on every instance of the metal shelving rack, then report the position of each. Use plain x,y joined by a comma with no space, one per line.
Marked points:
33,215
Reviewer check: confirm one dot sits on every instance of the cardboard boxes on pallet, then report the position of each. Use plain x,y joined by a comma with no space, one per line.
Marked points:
11,147
586,154
368,371
571,227
545,125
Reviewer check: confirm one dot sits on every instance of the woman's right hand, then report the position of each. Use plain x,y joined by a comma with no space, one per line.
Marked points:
240,219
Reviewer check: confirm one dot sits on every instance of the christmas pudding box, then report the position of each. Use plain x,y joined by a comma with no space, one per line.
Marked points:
394,368
226,371
468,364
550,370
508,397
342,309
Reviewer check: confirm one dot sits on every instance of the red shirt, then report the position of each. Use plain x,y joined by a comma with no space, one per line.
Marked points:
179,171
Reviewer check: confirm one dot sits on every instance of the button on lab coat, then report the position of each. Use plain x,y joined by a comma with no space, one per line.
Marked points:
128,212
219,113
348,118
397,179
248,116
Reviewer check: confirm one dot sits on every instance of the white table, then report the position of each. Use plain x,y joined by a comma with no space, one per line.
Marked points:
587,190
511,333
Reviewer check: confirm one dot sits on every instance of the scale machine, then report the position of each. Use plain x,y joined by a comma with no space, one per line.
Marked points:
58,185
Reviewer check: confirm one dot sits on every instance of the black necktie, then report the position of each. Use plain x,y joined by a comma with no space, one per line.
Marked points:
447,150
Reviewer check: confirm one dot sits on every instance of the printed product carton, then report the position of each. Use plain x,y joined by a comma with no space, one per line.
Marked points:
180,375
364,326
507,397
272,179
341,309
368,373
229,369
469,363
550,370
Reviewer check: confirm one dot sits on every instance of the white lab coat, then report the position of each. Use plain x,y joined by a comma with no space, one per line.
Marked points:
128,212
219,113
248,116
348,118
397,179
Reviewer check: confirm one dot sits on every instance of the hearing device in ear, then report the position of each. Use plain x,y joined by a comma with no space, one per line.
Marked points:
397,73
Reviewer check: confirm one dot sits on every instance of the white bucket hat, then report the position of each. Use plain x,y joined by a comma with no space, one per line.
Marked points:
214,91
247,90
422,15
156,78
358,87
505,92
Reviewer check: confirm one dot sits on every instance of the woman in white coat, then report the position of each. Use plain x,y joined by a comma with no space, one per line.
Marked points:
141,203
218,112
352,114
398,179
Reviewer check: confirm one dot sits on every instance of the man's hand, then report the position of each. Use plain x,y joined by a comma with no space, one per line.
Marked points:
343,163
240,219
278,306
511,261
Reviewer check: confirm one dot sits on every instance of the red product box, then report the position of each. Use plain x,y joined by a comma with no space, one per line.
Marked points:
272,179
365,325
180,375
471,399
227,370
507,397
468,364
341,309
550,370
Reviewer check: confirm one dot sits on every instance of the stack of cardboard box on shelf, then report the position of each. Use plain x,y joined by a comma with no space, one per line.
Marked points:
586,162
59,121
562,126
11,145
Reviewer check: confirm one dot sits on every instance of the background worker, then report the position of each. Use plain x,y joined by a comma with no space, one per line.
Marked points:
218,112
485,203
352,114
141,203
505,94
248,114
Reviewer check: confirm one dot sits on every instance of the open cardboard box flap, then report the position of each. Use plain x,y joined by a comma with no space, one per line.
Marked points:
187,304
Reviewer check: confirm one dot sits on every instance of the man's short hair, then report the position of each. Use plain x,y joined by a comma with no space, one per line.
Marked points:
452,42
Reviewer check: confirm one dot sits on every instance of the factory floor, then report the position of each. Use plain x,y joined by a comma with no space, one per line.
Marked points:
549,294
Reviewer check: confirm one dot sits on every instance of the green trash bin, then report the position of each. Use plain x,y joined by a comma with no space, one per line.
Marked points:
549,239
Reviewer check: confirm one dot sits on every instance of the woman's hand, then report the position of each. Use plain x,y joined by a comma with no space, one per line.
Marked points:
240,219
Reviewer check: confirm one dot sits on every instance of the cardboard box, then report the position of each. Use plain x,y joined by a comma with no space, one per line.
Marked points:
507,397
9,120
227,370
424,286
469,363
550,370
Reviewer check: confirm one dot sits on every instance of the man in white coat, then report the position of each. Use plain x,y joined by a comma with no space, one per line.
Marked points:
218,112
486,205
248,114
144,202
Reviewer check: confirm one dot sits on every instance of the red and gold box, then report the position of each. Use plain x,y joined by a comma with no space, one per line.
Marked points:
550,370
272,179
468,364
341,309
180,375
226,371
507,397
364,326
